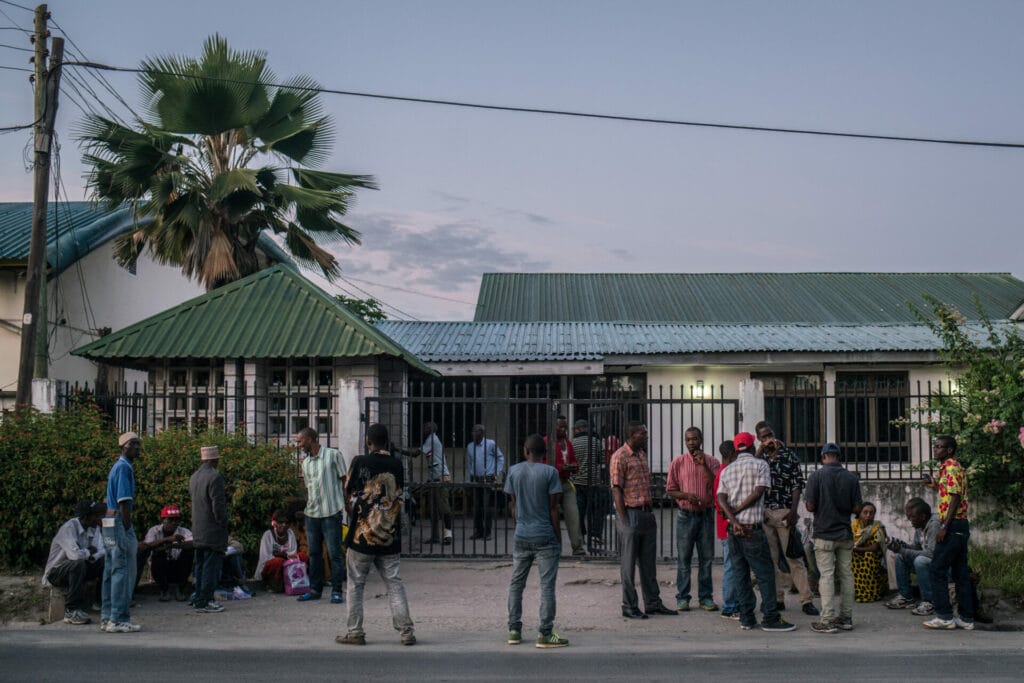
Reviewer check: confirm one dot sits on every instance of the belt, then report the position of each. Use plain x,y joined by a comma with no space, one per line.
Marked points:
645,508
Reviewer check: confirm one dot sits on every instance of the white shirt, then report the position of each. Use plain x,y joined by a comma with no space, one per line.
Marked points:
156,533
72,542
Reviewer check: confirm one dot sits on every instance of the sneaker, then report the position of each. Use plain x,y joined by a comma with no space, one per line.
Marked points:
306,597
122,627
240,593
552,640
778,626
96,607
165,596
103,625
824,627
515,637
924,609
177,594
211,607
735,616
900,602
939,623
747,627
960,623
350,639
579,552
844,623
683,605
810,610
77,617
708,606
408,639
337,598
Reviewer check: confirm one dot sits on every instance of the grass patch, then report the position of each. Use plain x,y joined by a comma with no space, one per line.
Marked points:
999,569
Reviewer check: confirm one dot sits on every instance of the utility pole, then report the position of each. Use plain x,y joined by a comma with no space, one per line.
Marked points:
47,86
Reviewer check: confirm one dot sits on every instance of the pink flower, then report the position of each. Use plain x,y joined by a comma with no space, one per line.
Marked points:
993,426
1020,437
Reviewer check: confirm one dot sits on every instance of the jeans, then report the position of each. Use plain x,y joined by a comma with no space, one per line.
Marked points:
920,565
750,553
694,529
729,579
119,570
638,541
207,570
523,555
951,555
571,513
835,557
592,502
232,572
778,535
318,530
71,575
359,565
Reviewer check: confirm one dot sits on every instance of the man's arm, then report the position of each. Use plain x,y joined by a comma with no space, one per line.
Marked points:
512,505
619,501
124,508
500,460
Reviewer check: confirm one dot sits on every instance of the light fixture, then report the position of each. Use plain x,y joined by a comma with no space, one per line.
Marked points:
698,392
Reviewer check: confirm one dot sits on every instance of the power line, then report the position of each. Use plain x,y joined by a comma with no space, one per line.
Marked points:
79,54
14,4
413,291
383,303
563,112
16,24
15,47
17,68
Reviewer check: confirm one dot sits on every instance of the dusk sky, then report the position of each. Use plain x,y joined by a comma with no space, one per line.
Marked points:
465,192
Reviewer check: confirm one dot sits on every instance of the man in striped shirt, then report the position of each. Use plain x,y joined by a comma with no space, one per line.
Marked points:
324,471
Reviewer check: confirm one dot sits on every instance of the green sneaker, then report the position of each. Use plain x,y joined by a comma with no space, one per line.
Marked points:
553,640
683,605
515,637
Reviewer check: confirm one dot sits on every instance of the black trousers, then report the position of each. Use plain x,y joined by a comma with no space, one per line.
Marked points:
71,575
166,571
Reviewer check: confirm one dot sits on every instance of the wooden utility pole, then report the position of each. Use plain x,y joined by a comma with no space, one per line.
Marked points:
47,85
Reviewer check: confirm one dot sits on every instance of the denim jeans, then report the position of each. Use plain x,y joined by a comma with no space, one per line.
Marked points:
729,579
951,555
121,547
920,565
694,530
523,555
835,557
318,530
751,554
207,574
359,565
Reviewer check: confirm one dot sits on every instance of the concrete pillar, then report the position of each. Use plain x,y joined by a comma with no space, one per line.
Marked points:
751,403
351,438
46,394
256,400
830,404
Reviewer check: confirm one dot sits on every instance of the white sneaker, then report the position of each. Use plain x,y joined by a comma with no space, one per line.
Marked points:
965,625
924,609
123,627
940,624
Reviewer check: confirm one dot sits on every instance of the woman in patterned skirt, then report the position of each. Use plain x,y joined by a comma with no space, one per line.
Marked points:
870,577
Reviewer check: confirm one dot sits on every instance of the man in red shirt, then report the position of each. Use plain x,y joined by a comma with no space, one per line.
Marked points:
690,480
567,465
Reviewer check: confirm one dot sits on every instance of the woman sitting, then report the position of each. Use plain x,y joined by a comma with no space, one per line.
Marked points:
870,577
277,546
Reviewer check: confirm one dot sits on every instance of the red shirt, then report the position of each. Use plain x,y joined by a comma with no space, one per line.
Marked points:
565,458
631,473
686,476
721,523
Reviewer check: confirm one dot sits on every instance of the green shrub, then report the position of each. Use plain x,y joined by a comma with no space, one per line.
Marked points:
999,569
50,462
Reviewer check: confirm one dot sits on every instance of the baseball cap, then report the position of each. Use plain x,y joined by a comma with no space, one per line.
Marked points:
743,440
170,511
126,437
830,449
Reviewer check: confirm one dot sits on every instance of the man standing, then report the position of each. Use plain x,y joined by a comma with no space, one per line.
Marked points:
951,540
691,477
833,495
374,492
485,463
567,466
916,558
438,477
170,546
589,481
534,489
636,525
119,541
76,556
781,515
324,471
209,528
740,496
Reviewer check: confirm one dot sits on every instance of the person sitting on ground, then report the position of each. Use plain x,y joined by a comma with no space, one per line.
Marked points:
870,577
278,545
232,574
76,556
168,548
915,558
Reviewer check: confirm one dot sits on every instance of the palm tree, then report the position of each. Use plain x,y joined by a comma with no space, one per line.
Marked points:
220,155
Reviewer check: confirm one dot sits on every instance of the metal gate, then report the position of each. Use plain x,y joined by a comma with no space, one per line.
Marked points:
457,516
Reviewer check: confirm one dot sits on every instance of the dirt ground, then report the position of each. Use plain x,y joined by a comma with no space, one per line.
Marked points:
23,598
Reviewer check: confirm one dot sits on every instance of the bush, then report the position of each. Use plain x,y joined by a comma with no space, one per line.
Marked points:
49,462
999,569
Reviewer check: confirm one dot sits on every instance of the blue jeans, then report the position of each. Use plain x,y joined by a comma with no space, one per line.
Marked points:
751,554
694,529
951,555
121,547
729,579
920,565
209,562
318,530
523,555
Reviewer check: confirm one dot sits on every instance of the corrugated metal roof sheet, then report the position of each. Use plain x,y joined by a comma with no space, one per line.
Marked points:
275,313
739,298
542,341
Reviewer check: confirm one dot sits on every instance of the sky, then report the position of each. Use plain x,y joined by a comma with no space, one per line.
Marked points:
464,192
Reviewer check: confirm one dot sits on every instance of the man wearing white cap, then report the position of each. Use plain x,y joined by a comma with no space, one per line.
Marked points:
209,528
119,540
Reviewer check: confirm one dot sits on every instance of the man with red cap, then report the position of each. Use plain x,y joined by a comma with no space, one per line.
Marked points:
168,547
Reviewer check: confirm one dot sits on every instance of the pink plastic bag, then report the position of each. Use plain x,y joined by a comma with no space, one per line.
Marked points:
296,579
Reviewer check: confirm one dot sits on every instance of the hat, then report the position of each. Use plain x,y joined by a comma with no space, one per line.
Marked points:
743,441
209,453
830,449
90,507
126,437
170,511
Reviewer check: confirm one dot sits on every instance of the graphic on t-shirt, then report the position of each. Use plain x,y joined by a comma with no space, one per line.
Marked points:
377,508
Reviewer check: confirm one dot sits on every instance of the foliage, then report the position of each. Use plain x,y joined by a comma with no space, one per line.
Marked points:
49,462
369,310
223,154
999,569
986,413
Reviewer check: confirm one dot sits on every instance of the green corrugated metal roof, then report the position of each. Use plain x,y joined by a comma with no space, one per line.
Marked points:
275,313
739,298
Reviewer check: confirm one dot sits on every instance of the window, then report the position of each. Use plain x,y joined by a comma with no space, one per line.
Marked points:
866,404
793,406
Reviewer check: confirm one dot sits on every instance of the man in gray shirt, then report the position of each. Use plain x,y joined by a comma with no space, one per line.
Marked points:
833,495
209,528
916,558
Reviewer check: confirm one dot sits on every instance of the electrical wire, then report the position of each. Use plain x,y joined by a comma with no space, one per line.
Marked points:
15,47
18,68
77,53
412,291
382,303
564,112
14,4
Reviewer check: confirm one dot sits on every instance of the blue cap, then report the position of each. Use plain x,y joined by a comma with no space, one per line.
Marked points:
830,449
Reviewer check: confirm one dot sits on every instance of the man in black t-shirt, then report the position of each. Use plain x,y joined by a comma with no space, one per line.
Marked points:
373,496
